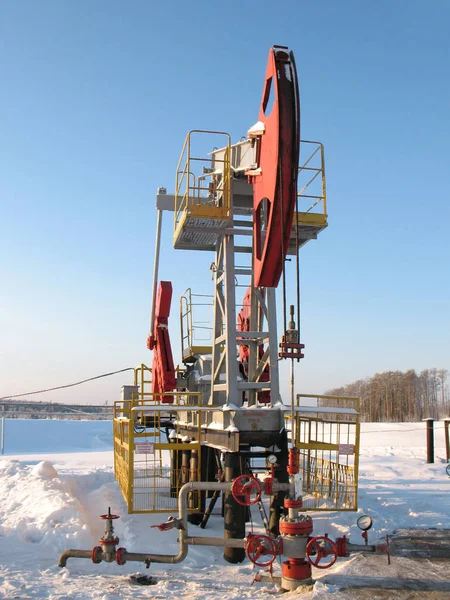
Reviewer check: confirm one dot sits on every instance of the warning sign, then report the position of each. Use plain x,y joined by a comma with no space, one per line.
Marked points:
346,449
144,448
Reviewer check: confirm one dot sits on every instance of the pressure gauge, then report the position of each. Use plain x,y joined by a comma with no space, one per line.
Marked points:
272,459
447,469
364,522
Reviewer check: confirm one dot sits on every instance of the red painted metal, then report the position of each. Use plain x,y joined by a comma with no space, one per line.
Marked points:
275,188
296,568
244,352
292,503
258,546
296,527
163,369
290,350
292,467
246,490
268,486
96,555
341,545
120,559
316,549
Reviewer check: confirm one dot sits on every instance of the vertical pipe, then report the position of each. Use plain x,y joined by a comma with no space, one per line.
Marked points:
430,440
234,513
281,474
185,465
447,438
155,270
292,406
175,464
3,429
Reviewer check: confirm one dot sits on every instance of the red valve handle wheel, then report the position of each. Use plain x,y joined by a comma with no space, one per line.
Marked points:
315,551
109,516
258,546
244,487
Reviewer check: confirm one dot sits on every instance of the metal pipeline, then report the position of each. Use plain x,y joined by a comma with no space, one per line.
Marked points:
73,554
184,540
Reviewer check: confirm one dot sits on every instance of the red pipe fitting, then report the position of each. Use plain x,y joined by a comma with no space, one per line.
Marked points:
292,503
292,468
296,527
296,568
341,545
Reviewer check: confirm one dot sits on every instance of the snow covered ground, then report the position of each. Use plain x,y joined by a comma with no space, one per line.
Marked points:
50,501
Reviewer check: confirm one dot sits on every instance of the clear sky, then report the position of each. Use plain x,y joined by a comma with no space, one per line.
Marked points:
96,98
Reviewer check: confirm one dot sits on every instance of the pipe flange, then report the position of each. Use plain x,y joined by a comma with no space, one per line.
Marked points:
292,503
120,559
295,527
96,554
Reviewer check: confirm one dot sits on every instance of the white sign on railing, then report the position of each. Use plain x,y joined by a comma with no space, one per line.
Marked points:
144,448
346,449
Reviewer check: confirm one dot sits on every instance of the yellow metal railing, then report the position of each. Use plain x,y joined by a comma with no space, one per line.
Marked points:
196,335
327,434
203,185
144,449
311,178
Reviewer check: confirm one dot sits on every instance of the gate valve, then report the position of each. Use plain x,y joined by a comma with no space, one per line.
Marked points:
108,541
259,546
320,547
171,523
246,490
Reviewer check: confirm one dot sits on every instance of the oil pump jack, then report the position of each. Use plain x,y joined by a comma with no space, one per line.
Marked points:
222,412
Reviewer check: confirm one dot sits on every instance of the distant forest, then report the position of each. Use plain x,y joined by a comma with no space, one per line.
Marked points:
397,396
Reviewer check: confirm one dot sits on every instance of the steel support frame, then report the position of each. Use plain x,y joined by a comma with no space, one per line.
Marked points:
224,377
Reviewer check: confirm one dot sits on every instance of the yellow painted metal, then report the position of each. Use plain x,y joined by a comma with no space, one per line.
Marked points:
328,438
142,453
202,199
195,324
311,176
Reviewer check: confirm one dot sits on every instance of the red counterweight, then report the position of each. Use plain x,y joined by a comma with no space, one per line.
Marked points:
163,370
275,179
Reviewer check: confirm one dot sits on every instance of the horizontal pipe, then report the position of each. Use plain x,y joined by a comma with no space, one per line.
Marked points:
361,548
73,554
192,486
210,541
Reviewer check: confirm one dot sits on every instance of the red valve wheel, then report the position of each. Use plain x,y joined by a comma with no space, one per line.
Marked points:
258,546
109,516
244,487
96,554
317,548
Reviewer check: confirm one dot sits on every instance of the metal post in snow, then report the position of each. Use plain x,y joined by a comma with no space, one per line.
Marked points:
430,440
447,438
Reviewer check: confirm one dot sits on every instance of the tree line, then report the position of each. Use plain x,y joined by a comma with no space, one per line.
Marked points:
401,396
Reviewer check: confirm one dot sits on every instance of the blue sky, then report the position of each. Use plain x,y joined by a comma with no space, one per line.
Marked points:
96,98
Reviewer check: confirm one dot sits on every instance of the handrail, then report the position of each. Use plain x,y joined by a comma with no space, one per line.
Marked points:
186,194
320,170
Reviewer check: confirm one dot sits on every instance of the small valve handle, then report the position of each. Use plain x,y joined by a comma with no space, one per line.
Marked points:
316,550
258,546
246,490
109,515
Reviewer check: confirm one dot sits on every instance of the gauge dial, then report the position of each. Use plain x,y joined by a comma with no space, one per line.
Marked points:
272,459
364,522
